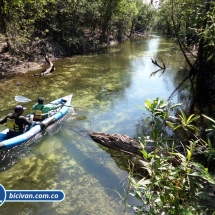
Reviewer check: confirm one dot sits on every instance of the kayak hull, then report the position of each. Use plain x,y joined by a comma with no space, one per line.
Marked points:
38,127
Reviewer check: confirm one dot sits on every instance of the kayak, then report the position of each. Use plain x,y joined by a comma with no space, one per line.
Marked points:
55,115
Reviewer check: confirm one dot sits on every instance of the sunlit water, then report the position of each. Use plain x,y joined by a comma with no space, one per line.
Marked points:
107,89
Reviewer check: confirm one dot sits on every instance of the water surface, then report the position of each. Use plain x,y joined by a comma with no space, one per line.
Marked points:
106,87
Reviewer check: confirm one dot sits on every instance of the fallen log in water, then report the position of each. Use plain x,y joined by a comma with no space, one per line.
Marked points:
127,145
119,142
46,71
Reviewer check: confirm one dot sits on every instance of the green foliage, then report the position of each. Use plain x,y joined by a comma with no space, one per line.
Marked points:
175,183
208,146
163,19
192,22
69,22
159,115
170,189
186,122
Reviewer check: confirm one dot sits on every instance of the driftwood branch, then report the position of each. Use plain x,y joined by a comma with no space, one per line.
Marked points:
49,70
46,71
156,63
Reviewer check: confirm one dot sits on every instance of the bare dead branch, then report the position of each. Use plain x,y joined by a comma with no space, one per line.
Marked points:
156,63
46,71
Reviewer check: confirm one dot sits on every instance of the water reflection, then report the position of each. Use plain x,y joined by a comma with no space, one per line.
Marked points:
106,89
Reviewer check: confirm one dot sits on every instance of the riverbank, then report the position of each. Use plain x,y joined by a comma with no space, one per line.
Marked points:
11,64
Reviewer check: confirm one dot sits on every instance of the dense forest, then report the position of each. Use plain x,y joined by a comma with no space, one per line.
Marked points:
72,27
178,182
76,26
192,24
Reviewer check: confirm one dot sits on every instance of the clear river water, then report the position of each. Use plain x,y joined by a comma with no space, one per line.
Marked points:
108,87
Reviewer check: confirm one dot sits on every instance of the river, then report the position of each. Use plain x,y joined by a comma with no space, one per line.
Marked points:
107,89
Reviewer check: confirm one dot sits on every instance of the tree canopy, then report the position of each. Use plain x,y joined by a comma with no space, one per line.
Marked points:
69,22
192,23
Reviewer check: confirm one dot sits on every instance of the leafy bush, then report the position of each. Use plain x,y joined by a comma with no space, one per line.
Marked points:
175,183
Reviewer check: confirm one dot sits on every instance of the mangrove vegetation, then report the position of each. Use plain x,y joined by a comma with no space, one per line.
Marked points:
177,176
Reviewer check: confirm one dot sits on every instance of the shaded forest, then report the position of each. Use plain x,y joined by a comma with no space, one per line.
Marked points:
191,22
70,27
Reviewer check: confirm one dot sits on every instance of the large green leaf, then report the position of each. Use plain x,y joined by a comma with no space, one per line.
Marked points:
202,172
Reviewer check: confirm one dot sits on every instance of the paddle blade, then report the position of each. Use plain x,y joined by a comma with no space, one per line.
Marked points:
22,99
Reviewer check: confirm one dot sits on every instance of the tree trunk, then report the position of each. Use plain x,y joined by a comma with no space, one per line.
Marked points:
122,143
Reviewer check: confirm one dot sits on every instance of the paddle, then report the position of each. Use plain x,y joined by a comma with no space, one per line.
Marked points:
25,99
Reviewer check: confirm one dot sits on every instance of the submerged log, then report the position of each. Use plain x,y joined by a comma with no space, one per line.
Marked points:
119,142
127,145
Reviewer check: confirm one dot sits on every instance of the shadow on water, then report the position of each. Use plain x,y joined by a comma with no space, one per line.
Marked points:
121,162
98,170
121,159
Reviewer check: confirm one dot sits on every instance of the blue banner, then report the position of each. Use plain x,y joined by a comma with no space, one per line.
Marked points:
30,195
